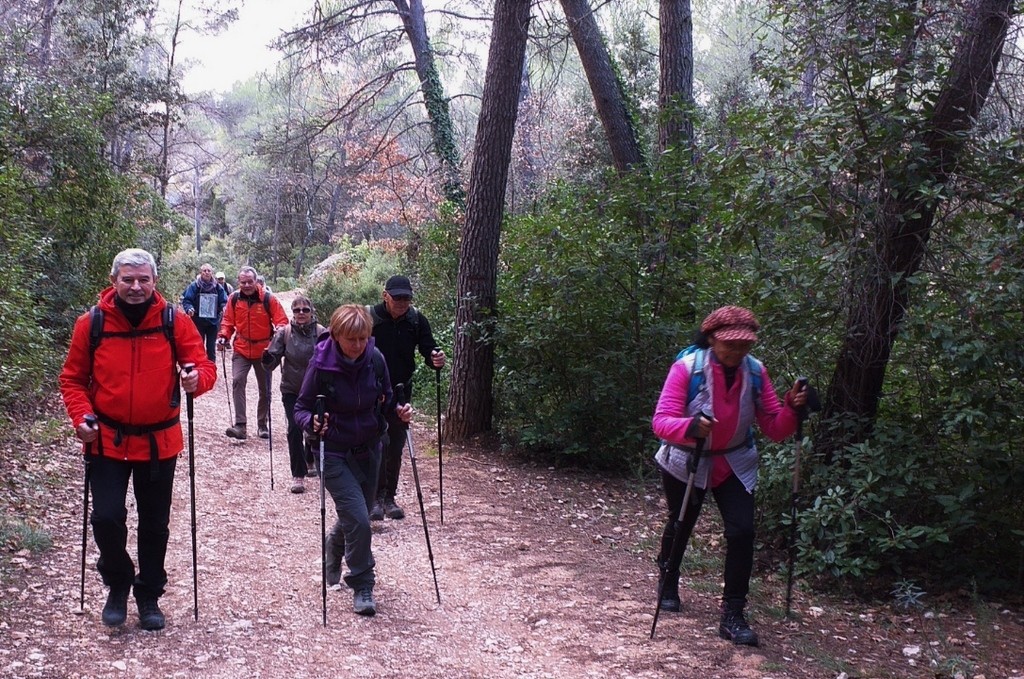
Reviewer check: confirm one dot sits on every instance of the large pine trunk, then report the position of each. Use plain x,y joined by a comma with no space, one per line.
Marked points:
470,404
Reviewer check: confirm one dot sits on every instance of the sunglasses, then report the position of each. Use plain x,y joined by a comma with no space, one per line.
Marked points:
302,310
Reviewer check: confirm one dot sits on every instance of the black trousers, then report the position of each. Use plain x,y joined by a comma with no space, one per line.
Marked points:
296,445
391,457
737,508
108,480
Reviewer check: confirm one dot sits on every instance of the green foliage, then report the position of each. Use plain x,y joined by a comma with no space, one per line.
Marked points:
596,297
355,275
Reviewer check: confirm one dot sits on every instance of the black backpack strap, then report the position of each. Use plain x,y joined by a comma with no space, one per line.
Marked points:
168,328
95,332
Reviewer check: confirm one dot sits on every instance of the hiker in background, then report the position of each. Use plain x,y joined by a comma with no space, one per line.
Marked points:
293,346
203,301
349,371
222,281
250,318
263,283
730,396
138,433
399,329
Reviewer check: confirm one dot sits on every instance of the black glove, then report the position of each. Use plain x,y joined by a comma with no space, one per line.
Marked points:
269,360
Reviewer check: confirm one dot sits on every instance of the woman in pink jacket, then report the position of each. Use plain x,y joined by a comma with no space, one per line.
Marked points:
734,392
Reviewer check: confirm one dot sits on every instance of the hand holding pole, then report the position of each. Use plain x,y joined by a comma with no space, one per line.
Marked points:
691,467
90,421
190,408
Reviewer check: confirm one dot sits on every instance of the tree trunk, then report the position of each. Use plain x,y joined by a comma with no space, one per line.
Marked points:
609,96
470,404
676,81
441,127
881,291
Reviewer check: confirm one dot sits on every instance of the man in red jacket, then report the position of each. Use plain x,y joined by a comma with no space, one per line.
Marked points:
251,317
122,374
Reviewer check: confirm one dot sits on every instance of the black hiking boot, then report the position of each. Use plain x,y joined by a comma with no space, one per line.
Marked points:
115,611
392,510
669,595
734,625
150,616
377,511
236,432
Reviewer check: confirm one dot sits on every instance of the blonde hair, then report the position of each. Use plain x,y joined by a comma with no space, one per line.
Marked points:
351,320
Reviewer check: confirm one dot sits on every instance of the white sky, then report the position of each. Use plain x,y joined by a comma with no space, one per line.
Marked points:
240,51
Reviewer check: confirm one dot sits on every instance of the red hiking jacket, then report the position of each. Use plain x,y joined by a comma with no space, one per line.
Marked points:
249,322
131,380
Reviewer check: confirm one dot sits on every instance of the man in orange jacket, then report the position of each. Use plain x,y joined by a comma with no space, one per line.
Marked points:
121,375
251,317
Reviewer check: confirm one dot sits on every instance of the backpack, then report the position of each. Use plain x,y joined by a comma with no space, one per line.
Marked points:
326,387
412,315
266,300
96,335
697,379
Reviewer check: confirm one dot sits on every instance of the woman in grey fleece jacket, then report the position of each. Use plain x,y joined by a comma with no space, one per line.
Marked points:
293,346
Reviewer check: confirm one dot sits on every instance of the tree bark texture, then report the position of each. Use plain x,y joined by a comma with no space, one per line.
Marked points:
609,96
470,403
880,293
675,87
438,112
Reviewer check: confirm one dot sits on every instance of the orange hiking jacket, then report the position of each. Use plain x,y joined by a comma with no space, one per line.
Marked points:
129,379
248,321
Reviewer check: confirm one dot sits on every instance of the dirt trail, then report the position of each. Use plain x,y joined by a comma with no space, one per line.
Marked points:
542,573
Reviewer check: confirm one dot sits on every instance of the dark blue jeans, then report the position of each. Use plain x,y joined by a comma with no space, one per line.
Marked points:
737,508
208,331
108,480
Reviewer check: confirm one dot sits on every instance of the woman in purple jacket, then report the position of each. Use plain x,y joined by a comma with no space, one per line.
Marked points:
356,395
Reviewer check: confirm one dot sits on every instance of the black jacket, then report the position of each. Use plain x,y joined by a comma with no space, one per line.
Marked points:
399,339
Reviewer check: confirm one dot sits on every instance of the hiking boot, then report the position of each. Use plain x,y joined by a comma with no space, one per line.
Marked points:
115,611
298,485
334,554
362,602
310,470
669,594
377,512
236,432
392,510
150,616
264,433
734,625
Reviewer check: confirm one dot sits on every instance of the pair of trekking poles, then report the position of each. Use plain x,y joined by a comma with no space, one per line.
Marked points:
812,405
270,423
91,421
320,412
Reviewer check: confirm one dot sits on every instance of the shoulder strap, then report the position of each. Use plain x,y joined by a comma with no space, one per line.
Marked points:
754,370
370,309
233,297
378,369
696,374
266,302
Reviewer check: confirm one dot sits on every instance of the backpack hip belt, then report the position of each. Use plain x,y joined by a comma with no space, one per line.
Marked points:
122,430
747,443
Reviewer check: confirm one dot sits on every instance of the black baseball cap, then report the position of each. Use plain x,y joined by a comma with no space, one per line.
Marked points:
398,286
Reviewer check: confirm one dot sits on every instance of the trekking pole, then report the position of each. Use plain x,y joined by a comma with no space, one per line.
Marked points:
270,429
440,457
227,388
323,512
691,467
190,407
400,392
795,494
90,420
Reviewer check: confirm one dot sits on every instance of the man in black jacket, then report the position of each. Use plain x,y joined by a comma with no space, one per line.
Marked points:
399,329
